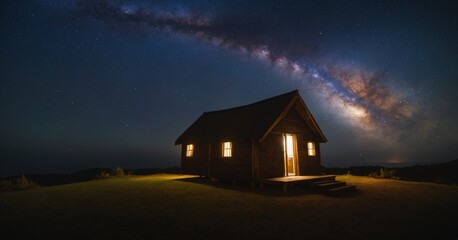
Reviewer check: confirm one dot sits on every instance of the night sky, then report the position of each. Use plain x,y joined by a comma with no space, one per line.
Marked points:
96,83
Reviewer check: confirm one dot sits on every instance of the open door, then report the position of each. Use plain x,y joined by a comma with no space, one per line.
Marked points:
290,149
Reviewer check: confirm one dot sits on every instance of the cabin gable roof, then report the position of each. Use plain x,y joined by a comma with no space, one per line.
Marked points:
254,120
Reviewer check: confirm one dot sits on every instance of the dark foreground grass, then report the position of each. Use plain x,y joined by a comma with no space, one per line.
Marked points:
173,207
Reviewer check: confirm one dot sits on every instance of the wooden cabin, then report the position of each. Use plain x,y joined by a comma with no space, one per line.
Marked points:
275,137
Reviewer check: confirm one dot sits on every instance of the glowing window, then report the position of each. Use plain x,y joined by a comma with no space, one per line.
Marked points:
311,149
189,150
227,149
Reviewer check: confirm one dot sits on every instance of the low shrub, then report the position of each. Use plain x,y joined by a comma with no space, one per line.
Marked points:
20,183
103,174
118,172
24,183
384,173
387,173
373,174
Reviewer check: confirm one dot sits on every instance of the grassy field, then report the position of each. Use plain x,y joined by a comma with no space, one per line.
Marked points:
165,206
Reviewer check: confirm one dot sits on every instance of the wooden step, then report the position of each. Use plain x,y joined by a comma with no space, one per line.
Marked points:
327,178
342,189
333,184
322,182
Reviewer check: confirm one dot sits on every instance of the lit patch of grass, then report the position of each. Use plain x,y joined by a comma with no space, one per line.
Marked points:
162,177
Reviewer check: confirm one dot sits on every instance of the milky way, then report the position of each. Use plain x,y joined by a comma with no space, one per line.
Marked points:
358,95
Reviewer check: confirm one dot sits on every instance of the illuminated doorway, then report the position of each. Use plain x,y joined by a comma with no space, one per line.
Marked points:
290,149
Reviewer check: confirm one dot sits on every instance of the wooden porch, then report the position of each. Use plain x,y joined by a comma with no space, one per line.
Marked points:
324,183
286,182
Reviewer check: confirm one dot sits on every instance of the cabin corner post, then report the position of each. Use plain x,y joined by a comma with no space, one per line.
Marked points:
255,160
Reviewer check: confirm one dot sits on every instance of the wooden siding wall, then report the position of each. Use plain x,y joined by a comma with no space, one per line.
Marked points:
273,159
271,156
237,167
198,163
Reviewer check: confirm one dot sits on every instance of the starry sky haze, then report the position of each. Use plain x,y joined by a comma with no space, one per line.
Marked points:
103,83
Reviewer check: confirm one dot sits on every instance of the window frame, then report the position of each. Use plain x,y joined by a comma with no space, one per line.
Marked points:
189,153
311,149
226,148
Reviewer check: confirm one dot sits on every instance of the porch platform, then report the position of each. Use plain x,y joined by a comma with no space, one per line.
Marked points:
285,182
